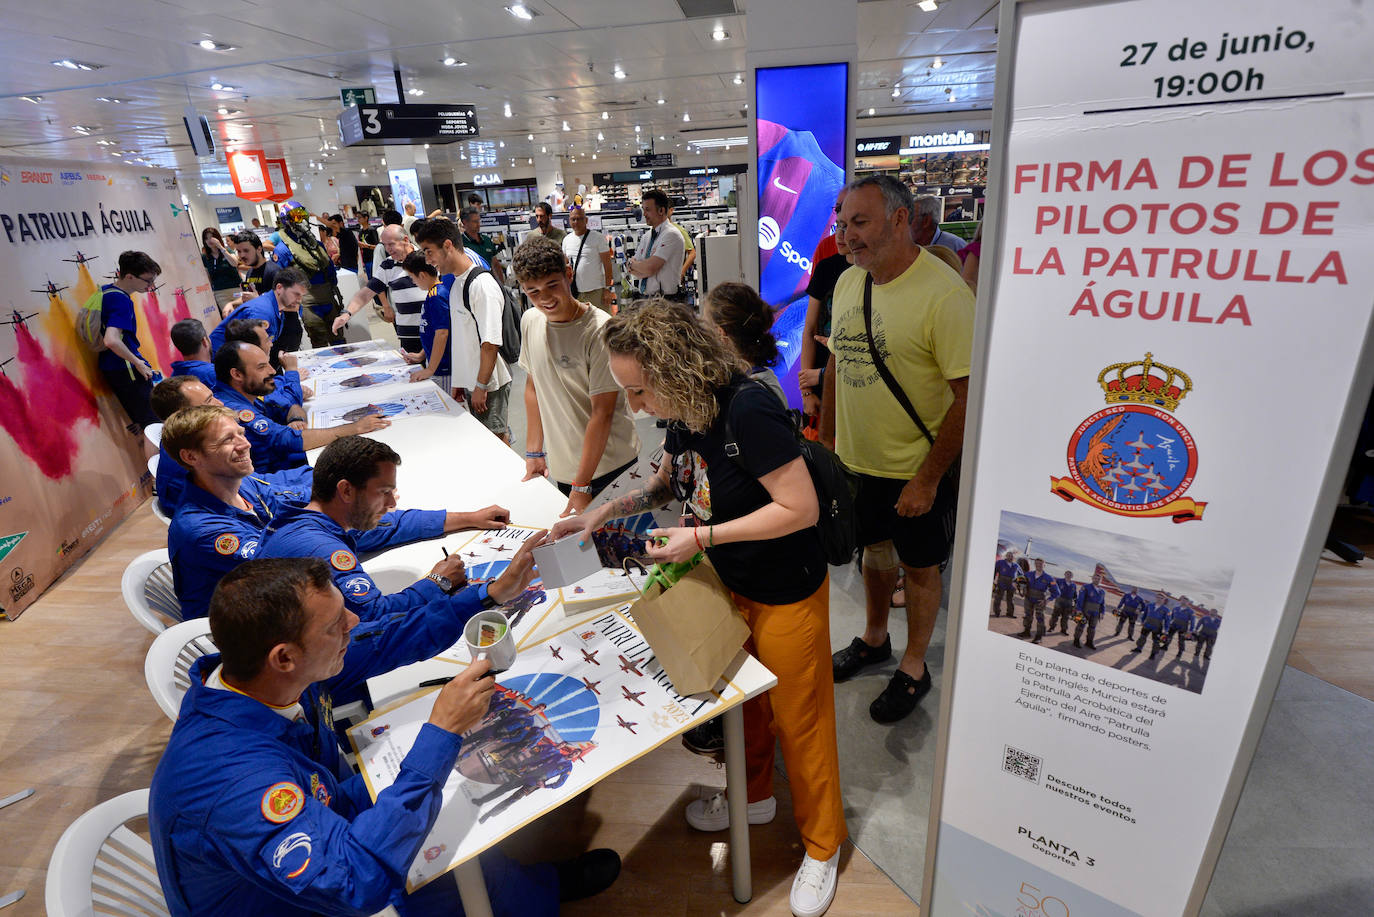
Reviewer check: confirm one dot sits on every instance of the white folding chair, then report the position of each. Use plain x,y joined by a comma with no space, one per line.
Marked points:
154,433
99,864
148,590
169,661
158,512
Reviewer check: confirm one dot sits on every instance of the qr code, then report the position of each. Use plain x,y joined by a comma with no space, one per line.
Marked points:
1021,763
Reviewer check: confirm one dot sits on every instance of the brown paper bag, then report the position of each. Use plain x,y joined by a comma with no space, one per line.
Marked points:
694,628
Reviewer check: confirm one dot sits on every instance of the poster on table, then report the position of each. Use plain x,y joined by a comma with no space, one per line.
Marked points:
405,399
1181,294
572,710
803,119
73,469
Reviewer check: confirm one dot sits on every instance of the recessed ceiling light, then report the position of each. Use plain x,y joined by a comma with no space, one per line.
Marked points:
502,144
896,92
553,98
529,160
362,171
937,63
505,110
738,79
67,63
522,12
636,128
229,111
605,115
543,149
34,99
383,160
660,100
719,34
209,44
618,73
454,62
593,155
426,146
661,137
686,117
600,136
113,100
927,6
482,86
565,126
83,129
415,92
103,142
221,87
529,136
872,112
952,97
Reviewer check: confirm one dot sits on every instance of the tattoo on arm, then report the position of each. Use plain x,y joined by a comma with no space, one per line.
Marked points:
653,495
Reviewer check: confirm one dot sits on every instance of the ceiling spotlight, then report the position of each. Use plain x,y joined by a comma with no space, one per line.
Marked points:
927,6
362,171
34,99
383,160
660,100
426,146
415,92
482,86
505,110
636,128
872,112
521,12
605,116
896,92
553,98
661,137
454,62
529,161
67,63
529,136
463,156
600,136
103,142
209,44
737,80
543,149
937,64
686,117
512,162
618,73
502,144
952,97
83,129
719,34
565,126
593,155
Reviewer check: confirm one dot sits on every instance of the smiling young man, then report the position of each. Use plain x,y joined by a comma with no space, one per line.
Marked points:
578,428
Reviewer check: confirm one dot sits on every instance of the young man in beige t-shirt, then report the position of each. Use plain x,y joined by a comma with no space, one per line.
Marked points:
578,427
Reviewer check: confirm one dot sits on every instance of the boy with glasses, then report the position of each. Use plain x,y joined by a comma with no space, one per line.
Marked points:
126,372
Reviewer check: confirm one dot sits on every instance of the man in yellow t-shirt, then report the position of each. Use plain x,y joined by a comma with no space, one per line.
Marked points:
923,331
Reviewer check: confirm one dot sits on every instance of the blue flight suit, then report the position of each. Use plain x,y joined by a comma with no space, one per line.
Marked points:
1126,611
275,446
203,370
262,308
1038,586
209,538
285,395
1065,593
1153,619
253,814
172,478
301,532
1004,574
1205,633
1181,623
1092,601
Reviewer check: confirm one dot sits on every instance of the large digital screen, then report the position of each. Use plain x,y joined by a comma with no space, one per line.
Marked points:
801,139
405,186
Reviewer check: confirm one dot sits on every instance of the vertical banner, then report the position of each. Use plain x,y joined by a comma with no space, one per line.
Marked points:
802,136
72,468
248,170
1172,360
278,180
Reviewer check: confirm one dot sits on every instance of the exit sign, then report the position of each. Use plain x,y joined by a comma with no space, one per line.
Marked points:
358,95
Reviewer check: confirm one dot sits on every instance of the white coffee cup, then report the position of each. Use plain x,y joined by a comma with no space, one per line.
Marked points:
488,636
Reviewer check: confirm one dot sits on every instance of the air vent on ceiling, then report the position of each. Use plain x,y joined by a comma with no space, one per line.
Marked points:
700,9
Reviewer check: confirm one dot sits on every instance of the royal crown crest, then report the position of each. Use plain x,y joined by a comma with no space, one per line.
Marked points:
1145,382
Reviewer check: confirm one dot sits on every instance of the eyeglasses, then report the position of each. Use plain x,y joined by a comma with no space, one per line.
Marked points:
149,281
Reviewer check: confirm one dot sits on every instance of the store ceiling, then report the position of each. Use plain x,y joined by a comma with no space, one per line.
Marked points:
289,61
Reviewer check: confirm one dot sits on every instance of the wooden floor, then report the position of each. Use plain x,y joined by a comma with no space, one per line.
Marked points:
77,724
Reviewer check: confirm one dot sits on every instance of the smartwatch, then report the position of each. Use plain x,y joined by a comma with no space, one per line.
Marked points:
484,593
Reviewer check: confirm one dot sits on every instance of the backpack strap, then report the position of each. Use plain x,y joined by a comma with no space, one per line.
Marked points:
467,285
889,380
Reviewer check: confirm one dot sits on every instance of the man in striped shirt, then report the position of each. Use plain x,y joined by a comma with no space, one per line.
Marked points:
391,282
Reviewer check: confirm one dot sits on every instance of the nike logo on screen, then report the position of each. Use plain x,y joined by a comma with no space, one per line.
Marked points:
778,184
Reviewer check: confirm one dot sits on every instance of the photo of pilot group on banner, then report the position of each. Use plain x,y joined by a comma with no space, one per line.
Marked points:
74,467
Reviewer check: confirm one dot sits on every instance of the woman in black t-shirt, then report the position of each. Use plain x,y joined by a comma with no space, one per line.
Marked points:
731,455
221,266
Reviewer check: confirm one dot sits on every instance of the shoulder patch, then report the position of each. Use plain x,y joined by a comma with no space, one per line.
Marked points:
260,426
282,802
343,560
226,544
245,416
357,586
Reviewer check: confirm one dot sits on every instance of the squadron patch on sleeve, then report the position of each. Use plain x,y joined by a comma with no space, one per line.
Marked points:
282,802
343,561
245,416
260,426
226,544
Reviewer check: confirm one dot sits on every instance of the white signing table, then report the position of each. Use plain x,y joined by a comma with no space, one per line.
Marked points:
451,461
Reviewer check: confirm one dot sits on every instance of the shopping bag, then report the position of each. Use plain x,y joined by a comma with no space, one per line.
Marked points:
693,626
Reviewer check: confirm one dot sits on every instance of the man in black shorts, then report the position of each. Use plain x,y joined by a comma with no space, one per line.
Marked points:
923,316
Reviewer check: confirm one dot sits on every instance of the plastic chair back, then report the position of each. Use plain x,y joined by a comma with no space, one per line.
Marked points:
147,589
154,433
170,659
100,866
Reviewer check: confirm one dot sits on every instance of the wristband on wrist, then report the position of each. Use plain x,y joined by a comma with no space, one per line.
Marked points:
535,455
711,537
580,488
696,536
484,386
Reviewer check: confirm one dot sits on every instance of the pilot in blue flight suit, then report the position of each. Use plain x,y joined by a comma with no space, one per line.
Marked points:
1126,611
355,484
1092,602
285,402
1065,595
188,337
1004,574
1154,617
1038,585
1205,633
1181,623
253,809
225,506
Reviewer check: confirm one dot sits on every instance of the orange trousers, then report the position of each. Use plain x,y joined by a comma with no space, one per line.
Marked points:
793,641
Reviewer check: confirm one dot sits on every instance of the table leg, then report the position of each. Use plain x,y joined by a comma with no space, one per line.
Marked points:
737,799
472,889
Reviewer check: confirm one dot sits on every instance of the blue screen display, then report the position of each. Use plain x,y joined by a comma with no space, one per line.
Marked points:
802,136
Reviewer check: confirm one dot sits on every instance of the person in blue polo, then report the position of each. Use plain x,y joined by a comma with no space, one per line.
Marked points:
1092,602
1205,633
1127,610
1065,596
1004,574
253,809
1039,586
245,376
191,341
1181,623
1154,617
354,487
288,289
121,363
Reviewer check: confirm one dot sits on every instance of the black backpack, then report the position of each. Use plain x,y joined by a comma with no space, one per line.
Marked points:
835,488
510,317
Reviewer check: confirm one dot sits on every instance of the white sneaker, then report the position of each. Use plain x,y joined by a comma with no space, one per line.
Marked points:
814,887
712,814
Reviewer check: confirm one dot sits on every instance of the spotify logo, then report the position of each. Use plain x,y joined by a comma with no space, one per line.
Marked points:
768,233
